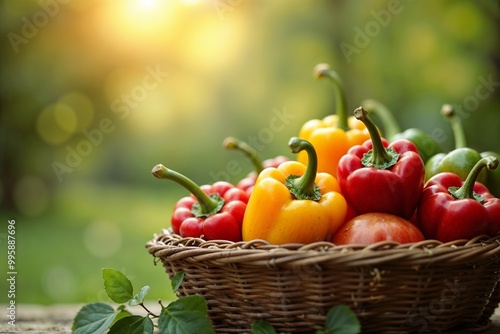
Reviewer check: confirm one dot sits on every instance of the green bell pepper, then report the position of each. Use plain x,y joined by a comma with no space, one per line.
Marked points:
461,160
493,179
427,146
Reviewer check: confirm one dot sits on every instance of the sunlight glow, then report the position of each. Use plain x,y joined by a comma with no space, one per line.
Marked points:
191,2
149,4
136,24
179,32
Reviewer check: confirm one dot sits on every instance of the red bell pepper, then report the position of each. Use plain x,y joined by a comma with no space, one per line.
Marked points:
248,182
451,209
378,177
212,212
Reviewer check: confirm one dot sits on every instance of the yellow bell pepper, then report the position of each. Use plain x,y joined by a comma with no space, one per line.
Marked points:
333,135
293,203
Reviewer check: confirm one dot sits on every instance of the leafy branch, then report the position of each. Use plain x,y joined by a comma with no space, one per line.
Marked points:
185,315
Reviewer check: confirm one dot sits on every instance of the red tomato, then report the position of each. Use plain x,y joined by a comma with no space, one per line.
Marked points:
369,228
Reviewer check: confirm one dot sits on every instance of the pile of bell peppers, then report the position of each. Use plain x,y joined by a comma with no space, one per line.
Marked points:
350,182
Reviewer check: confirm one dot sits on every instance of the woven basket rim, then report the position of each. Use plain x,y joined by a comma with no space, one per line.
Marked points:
388,284
260,252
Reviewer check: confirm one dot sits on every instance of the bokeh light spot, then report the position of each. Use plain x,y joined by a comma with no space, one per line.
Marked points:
463,21
59,283
103,239
65,117
31,196
48,128
420,34
82,107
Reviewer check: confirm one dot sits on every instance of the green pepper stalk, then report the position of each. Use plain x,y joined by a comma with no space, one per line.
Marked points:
379,156
493,180
461,160
324,71
456,125
207,205
427,146
248,182
304,187
279,213
453,209
467,188
249,151
381,177
389,122
212,212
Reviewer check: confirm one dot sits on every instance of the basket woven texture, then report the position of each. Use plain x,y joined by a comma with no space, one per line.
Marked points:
422,287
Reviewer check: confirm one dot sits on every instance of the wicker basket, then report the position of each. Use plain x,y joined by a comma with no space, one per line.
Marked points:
425,286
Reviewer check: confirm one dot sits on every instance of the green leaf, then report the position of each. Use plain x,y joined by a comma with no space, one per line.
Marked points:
189,303
134,324
94,318
177,281
121,314
342,320
117,286
185,316
139,297
262,327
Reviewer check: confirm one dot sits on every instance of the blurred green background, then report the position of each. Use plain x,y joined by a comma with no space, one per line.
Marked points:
95,93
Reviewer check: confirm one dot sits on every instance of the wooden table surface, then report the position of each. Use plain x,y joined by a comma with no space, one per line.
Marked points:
59,318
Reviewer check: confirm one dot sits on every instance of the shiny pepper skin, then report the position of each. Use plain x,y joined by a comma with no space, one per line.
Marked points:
247,184
211,212
294,204
452,209
381,177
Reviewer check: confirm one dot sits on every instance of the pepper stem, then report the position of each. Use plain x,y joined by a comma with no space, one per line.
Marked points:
207,204
379,156
322,71
391,126
304,187
467,188
233,143
448,111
